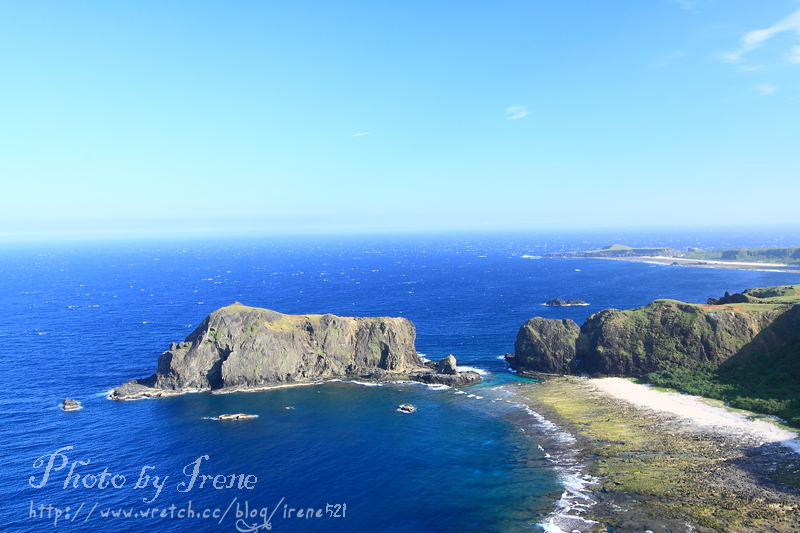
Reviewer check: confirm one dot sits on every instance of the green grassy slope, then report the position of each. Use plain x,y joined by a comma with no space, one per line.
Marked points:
764,385
765,381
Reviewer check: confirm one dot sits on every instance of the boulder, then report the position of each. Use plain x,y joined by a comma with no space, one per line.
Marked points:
70,405
447,365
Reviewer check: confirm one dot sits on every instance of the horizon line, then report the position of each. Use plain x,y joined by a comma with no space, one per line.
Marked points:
22,237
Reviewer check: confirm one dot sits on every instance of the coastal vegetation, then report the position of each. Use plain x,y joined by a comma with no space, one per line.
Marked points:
760,384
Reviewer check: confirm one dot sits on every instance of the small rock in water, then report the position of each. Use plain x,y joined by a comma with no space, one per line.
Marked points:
406,408
237,416
71,405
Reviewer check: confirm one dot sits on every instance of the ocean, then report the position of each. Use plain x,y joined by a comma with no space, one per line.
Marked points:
79,318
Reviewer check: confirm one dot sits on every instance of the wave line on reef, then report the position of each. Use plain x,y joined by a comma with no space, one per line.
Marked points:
563,454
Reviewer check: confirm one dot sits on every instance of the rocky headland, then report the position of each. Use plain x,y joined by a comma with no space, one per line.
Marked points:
742,348
661,335
242,348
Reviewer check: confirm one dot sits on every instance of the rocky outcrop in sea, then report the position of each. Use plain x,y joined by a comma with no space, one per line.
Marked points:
447,373
242,348
559,302
70,405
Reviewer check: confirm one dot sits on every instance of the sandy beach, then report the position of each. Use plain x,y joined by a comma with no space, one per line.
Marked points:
698,411
707,263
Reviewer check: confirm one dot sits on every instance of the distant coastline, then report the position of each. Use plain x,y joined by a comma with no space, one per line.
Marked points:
731,265
772,259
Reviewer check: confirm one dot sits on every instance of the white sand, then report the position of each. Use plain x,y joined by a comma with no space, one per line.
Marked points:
696,410
716,262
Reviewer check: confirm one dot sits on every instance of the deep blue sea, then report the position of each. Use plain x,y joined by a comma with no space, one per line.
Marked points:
79,318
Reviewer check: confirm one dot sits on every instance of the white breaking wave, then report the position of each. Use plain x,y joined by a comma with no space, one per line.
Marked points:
430,386
577,495
480,371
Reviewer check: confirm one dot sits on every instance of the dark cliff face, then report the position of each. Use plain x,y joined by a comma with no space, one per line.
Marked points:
662,335
666,333
240,347
546,346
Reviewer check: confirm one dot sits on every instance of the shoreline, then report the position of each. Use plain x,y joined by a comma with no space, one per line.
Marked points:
704,263
398,379
647,467
700,411
564,453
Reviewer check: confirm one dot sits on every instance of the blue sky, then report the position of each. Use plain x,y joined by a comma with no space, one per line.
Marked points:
136,117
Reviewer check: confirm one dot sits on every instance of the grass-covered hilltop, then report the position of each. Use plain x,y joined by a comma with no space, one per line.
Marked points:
743,348
786,256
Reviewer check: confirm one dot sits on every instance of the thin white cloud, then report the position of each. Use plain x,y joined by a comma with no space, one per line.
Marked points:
795,57
359,134
685,4
516,112
765,88
690,5
753,39
666,60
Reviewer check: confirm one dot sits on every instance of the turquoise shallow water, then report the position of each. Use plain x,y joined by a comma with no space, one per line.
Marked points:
80,319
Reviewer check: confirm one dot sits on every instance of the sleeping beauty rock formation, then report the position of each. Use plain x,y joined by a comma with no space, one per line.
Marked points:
239,348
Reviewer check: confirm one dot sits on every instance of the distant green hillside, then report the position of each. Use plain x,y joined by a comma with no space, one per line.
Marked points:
789,256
